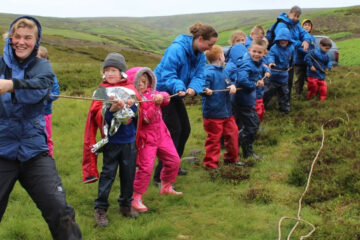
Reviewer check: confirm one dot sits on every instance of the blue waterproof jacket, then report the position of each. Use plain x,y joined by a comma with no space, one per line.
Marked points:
320,60
298,34
217,105
301,53
283,57
246,73
248,41
181,68
236,52
22,123
54,91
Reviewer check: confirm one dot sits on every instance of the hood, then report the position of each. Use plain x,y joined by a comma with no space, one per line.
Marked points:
285,18
283,34
186,42
151,75
9,55
307,20
131,74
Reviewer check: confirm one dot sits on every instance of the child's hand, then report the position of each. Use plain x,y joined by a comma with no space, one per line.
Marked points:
305,45
313,68
267,74
130,102
158,99
6,86
190,92
232,89
208,91
260,83
326,69
272,65
181,93
117,105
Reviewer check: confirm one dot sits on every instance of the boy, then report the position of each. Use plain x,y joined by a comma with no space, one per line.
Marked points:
55,90
217,112
300,65
257,33
281,59
248,75
119,134
318,63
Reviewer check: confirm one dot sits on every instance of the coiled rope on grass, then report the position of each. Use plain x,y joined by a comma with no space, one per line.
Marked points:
298,218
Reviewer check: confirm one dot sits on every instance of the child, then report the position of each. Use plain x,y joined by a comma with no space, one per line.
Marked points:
300,65
248,75
217,112
281,57
237,49
318,63
118,144
257,33
55,90
154,140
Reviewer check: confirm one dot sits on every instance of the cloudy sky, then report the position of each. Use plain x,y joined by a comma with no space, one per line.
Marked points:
137,8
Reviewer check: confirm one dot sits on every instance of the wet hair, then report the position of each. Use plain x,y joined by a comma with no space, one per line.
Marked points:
206,31
214,53
326,42
43,52
296,9
258,29
259,42
25,23
235,34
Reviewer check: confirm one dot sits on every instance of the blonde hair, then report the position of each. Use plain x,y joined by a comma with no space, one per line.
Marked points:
206,31
214,53
25,23
235,34
258,29
43,52
259,42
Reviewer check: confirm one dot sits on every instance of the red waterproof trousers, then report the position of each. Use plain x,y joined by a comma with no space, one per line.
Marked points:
260,108
216,128
316,86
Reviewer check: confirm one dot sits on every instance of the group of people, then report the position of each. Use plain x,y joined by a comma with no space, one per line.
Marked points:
142,115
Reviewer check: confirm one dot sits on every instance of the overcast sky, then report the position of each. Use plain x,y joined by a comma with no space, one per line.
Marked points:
137,8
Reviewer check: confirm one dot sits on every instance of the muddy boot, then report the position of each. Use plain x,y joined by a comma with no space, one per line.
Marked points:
129,212
167,188
100,217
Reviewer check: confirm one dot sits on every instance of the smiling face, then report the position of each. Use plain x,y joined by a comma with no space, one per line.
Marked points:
257,52
307,26
201,45
23,41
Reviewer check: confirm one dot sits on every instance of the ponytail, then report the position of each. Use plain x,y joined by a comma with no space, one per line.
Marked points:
206,31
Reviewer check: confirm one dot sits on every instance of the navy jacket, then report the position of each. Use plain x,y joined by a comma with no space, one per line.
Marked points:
320,60
283,57
217,105
22,123
181,68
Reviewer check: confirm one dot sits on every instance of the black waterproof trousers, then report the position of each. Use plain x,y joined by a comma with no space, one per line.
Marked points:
280,90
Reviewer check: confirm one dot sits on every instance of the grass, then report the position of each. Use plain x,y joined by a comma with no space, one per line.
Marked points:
229,203
347,50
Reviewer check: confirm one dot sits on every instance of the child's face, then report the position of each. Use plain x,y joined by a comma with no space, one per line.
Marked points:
294,16
325,49
257,52
283,43
144,82
307,27
257,36
112,75
239,39
23,42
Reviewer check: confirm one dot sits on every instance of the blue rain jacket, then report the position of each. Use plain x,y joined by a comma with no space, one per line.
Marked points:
320,60
301,53
236,52
181,68
217,105
22,123
283,57
54,91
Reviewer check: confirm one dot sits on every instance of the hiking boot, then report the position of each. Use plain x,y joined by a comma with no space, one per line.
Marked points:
237,163
129,212
137,203
166,188
182,172
100,217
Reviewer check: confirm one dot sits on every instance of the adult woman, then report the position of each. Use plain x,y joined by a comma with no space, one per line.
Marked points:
25,82
181,71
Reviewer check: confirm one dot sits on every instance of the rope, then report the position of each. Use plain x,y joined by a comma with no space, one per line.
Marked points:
279,70
319,66
298,219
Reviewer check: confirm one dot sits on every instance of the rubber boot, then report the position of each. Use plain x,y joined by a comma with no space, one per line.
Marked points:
137,203
166,188
252,154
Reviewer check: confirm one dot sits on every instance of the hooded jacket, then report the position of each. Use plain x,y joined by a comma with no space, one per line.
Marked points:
320,60
283,57
236,52
300,54
217,105
181,68
22,123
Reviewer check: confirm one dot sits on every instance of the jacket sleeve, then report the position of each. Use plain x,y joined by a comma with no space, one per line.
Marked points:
208,81
243,75
308,60
169,74
93,123
197,81
35,88
166,100
328,64
271,55
55,89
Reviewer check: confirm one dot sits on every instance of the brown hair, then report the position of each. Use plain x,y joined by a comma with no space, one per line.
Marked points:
296,9
237,33
43,53
25,23
214,53
258,29
206,31
326,42
259,42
